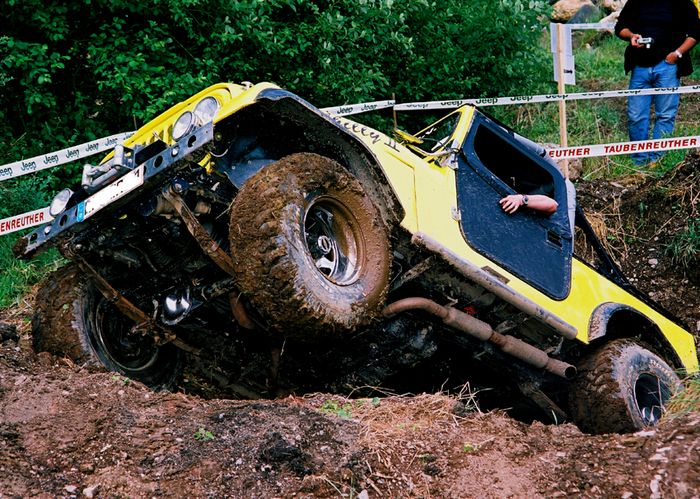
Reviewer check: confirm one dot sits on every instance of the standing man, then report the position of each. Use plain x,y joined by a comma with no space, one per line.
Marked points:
661,33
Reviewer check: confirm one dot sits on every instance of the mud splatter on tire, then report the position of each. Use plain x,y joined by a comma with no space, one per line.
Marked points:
309,248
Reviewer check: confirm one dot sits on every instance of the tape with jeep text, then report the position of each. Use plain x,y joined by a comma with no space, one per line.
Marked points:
530,99
38,163
363,107
41,216
67,155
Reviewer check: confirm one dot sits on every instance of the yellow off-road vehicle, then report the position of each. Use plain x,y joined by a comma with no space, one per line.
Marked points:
278,247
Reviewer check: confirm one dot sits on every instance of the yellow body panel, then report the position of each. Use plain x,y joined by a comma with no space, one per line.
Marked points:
428,193
231,97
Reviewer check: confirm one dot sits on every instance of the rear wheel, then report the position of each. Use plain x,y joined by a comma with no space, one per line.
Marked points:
309,248
621,387
72,318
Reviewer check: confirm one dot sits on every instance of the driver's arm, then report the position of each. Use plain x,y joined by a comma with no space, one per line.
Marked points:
538,202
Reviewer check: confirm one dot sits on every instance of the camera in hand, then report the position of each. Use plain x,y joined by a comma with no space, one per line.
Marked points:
645,40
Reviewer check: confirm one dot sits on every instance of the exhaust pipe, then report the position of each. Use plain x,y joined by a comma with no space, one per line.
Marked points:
464,322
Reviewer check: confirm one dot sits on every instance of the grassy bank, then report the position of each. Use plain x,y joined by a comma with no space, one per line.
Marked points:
599,67
688,400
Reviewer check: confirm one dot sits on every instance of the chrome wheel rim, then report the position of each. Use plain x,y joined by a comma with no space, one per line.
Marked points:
333,240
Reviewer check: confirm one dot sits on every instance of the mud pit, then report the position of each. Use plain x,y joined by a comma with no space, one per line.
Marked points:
67,431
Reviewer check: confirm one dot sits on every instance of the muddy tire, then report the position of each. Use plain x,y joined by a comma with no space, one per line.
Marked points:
309,248
622,387
72,318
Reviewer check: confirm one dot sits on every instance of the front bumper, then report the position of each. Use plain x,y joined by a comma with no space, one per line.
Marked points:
101,205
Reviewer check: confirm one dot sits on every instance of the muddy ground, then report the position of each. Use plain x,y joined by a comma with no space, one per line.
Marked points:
69,431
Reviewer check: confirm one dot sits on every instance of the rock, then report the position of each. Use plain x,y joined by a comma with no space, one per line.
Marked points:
611,5
653,262
90,491
564,10
71,489
8,332
586,14
654,486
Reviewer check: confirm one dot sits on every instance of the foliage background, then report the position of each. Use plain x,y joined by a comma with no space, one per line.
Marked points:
73,71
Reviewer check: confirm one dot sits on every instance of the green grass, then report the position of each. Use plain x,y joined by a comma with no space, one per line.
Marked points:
683,248
688,400
18,276
599,67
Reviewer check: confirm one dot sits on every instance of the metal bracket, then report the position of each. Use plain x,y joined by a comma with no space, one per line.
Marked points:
532,391
205,241
144,322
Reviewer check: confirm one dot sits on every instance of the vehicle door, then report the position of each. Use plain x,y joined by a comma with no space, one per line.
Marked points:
535,247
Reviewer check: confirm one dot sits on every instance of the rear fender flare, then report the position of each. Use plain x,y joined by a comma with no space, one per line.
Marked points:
616,320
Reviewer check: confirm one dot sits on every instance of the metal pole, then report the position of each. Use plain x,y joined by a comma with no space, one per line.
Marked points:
563,136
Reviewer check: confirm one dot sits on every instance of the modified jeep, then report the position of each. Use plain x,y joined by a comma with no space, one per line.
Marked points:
286,249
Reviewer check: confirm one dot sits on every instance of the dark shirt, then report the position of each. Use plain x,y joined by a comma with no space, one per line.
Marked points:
668,22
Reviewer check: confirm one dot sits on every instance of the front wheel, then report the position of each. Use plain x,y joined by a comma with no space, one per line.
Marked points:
72,318
622,387
309,247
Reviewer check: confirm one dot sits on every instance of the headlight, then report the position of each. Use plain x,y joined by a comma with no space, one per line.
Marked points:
183,125
59,202
205,110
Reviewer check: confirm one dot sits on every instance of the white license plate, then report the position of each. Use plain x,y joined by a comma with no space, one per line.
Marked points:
110,194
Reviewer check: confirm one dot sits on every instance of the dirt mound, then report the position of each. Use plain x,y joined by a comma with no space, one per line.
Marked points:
66,431
651,225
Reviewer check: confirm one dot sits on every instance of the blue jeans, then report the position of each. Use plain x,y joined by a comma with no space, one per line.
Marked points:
639,107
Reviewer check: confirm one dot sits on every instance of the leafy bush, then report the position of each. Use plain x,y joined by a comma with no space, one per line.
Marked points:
73,71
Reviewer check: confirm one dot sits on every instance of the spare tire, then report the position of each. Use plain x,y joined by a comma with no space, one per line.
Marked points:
73,319
621,387
309,248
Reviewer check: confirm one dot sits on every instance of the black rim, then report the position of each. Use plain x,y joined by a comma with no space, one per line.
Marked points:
127,350
333,240
650,395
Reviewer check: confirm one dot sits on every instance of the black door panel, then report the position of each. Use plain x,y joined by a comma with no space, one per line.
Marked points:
535,247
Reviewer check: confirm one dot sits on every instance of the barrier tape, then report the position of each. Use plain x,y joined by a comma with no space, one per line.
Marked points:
37,163
625,147
600,26
74,153
359,108
529,99
29,219
41,216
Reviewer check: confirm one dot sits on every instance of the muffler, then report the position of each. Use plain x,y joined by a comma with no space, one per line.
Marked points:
464,322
